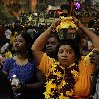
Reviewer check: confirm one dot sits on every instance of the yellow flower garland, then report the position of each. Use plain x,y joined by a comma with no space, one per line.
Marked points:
56,86
66,22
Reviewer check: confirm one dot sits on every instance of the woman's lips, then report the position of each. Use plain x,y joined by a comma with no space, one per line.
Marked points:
64,60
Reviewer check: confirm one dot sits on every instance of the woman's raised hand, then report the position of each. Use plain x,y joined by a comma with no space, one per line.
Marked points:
78,23
94,58
55,23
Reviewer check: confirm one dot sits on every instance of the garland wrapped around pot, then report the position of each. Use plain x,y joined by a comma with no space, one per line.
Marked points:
66,22
67,28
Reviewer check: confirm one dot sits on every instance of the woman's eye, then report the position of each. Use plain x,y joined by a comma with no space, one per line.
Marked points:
53,43
20,40
47,43
69,52
61,51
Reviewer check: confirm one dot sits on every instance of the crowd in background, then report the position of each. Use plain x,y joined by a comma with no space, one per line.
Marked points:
16,55
9,31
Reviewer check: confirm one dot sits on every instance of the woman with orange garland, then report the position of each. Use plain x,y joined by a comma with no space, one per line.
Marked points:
68,76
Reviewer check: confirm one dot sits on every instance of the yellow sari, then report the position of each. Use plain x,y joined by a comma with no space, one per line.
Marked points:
82,85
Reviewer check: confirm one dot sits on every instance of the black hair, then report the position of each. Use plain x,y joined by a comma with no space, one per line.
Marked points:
55,35
65,6
74,45
29,41
91,23
6,91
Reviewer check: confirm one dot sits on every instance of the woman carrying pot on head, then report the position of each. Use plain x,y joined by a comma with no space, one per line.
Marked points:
68,76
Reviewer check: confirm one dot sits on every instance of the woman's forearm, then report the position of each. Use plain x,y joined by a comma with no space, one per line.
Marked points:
41,79
92,36
34,86
89,33
41,40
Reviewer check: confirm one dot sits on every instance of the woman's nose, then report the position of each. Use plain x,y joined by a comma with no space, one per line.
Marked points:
49,44
16,43
64,54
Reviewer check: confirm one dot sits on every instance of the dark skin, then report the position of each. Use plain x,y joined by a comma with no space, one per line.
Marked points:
31,86
21,58
88,32
95,57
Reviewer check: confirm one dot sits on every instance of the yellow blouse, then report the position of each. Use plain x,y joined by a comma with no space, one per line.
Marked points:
82,86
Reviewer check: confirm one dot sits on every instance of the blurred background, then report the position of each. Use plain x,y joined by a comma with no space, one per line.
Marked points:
43,11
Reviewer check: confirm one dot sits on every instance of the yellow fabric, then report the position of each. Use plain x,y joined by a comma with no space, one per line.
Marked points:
8,54
82,86
66,22
13,37
45,63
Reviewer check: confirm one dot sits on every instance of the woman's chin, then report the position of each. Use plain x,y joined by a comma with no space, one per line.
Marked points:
64,64
16,50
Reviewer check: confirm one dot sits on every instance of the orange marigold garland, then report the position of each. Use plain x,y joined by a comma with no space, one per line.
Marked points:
61,81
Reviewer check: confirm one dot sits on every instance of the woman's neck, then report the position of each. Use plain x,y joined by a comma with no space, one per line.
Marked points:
22,56
21,60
